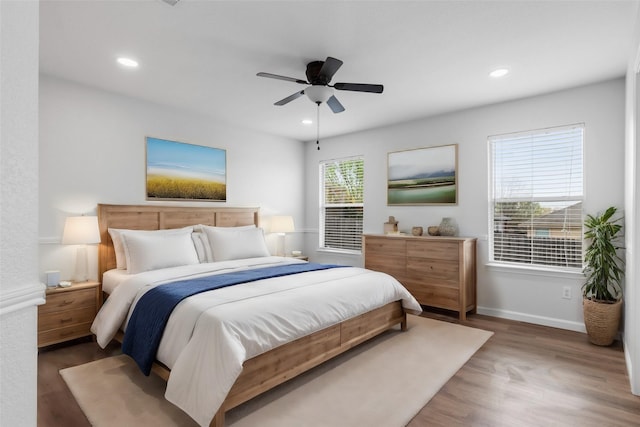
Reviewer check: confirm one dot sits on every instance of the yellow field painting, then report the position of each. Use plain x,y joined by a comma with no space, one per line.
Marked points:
170,187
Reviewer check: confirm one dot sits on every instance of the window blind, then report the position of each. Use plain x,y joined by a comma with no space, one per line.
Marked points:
536,197
341,204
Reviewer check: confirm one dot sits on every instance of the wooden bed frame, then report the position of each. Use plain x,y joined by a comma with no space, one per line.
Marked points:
276,366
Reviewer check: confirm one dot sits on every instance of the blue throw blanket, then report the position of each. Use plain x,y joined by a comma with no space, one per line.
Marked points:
150,316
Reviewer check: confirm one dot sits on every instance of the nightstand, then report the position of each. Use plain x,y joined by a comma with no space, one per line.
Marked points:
68,312
302,257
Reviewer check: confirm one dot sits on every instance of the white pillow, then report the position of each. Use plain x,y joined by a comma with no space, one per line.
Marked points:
202,227
229,243
152,251
203,248
118,245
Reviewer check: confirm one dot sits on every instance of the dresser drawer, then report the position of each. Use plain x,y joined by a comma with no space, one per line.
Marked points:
389,264
433,250
444,272
54,336
64,301
61,319
434,296
375,246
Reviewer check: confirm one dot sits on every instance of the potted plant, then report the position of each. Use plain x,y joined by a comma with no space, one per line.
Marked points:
604,269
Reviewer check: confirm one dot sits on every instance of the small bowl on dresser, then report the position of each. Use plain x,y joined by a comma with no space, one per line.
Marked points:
433,230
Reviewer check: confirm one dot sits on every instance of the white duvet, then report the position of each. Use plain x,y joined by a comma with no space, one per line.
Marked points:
210,335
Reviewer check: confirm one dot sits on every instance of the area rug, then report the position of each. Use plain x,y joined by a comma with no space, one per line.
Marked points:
383,382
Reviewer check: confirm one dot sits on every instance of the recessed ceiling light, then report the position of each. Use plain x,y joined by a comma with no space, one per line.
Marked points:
500,72
307,122
128,62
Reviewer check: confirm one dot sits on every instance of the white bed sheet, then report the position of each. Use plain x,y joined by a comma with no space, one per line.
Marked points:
210,335
112,278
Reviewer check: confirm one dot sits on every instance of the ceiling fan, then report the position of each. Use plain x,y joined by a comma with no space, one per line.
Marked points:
318,90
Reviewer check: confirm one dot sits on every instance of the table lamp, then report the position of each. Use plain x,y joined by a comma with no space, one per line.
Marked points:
82,231
281,225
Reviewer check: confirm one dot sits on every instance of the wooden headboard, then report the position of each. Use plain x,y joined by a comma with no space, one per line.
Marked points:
158,217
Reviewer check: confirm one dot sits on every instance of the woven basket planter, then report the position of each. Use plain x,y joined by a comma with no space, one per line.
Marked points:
601,320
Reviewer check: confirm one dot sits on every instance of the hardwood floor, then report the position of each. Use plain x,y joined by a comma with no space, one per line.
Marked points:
529,375
525,375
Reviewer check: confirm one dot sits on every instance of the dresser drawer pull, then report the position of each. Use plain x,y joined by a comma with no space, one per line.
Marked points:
65,302
69,319
66,334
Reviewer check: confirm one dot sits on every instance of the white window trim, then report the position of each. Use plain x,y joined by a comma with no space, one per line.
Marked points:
534,269
321,208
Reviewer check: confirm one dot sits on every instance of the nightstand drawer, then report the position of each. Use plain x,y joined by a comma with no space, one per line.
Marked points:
65,301
54,336
68,312
61,319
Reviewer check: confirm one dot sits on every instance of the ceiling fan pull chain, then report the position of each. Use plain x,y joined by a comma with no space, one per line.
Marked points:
318,127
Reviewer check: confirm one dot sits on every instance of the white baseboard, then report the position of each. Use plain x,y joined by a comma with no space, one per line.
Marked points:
635,385
536,320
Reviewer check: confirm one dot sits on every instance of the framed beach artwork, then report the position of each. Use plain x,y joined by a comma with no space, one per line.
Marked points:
180,171
423,176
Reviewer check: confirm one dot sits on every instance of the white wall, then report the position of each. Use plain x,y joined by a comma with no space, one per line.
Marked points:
533,297
632,215
20,291
92,150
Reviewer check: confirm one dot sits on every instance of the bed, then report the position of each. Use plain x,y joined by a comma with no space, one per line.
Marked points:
306,334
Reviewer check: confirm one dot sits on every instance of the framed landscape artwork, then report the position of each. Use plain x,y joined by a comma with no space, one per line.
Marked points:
423,176
180,171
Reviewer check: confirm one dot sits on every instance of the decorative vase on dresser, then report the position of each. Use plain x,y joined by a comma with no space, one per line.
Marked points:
437,271
448,227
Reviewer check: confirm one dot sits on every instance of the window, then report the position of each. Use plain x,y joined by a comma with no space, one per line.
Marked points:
536,197
341,204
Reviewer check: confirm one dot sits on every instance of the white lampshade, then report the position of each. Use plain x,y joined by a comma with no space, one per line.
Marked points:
81,230
282,224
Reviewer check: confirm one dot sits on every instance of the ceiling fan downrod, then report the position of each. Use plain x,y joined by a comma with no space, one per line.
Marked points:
318,126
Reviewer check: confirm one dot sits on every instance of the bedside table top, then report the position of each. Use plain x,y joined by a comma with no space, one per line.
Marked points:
74,287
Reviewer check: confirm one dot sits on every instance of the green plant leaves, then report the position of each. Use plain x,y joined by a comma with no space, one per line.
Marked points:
603,266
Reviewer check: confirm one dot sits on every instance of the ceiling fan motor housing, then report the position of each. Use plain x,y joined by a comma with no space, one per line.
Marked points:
313,73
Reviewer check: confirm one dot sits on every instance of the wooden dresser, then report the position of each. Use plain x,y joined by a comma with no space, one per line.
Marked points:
438,271
68,312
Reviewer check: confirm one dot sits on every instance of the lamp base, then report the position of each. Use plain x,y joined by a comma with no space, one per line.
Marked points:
280,251
81,272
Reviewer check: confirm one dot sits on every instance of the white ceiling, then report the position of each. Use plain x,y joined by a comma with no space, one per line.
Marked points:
432,56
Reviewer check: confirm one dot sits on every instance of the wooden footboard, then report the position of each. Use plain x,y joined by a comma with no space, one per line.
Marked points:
265,371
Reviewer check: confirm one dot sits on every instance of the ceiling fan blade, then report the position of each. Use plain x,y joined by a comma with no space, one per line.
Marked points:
335,105
359,87
329,68
289,98
276,76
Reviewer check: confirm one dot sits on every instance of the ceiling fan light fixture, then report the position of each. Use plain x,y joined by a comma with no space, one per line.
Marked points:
318,93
